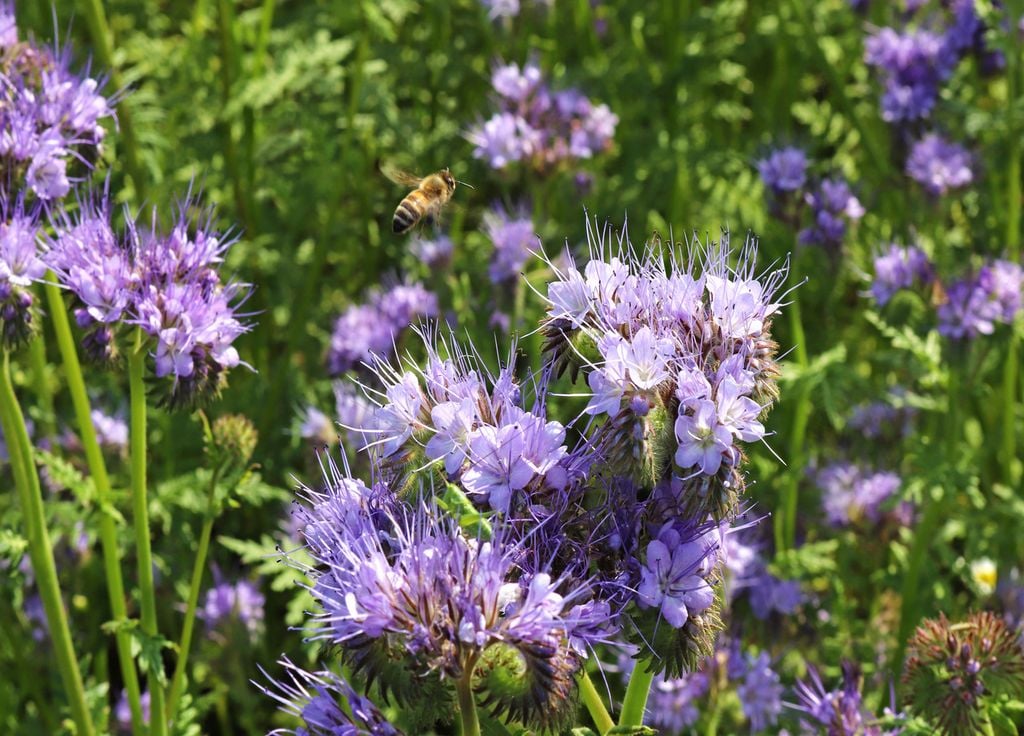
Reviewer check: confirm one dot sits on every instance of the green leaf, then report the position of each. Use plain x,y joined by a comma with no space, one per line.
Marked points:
471,519
66,475
816,558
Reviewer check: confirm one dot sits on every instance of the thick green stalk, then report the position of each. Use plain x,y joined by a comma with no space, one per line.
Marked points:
634,704
140,505
37,361
98,471
785,525
595,706
26,480
467,705
1008,445
102,47
229,70
198,568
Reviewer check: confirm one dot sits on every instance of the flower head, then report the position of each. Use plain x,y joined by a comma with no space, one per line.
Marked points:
899,268
784,170
939,165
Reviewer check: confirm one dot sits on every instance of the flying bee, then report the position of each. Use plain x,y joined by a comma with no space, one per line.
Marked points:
427,199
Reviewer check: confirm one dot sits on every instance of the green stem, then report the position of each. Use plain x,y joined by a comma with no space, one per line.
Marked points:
229,68
102,47
37,361
140,509
932,513
467,705
198,568
1009,462
98,471
26,479
634,704
785,526
595,706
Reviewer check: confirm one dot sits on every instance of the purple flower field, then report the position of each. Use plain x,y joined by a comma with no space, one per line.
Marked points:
509,367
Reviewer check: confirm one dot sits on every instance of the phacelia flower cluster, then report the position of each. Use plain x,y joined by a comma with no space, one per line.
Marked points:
840,711
540,126
51,118
939,165
21,264
952,670
915,62
833,207
852,494
900,267
498,544
239,601
513,238
507,9
975,304
372,329
165,283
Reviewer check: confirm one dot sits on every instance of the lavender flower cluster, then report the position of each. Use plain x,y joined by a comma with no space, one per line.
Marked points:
968,306
50,116
539,126
852,494
828,205
497,545
371,329
165,283
914,63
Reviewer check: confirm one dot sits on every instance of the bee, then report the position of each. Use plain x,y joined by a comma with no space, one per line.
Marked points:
427,199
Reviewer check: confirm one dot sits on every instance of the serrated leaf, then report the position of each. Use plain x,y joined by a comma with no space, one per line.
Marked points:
66,475
816,558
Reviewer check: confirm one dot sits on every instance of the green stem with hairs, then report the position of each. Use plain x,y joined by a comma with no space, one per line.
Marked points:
467,704
98,472
140,507
26,480
595,706
1008,460
198,568
102,46
634,704
37,361
785,525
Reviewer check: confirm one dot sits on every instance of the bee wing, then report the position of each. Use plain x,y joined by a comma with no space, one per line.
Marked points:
398,176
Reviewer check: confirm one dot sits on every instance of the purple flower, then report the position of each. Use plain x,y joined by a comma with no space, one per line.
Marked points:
434,253
899,268
769,594
8,25
784,170
939,165
512,237
852,493
504,139
316,697
123,711
370,330
240,601
839,711
538,125
51,115
672,706
760,692
1006,282
673,578
20,266
702,439
505,459
970,308
833,206
913,65
514,84
111,431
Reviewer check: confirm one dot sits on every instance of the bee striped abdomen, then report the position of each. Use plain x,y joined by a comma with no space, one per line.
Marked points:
409,211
